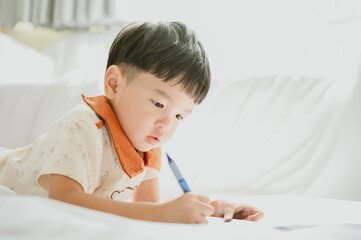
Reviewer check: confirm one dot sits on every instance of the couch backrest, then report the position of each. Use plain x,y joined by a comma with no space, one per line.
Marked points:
265,135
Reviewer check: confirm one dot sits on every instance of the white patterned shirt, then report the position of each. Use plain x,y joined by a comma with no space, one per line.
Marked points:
80,146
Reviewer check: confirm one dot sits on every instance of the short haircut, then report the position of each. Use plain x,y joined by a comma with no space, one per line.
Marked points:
166,50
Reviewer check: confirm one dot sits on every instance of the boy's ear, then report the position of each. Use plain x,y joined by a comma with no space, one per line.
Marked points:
114,81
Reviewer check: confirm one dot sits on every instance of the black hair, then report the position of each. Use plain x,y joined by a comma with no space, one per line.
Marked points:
166,50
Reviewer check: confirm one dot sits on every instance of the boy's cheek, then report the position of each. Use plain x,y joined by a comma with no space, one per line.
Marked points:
167,137
172,131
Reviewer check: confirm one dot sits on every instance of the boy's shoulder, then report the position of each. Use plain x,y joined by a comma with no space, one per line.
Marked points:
83,113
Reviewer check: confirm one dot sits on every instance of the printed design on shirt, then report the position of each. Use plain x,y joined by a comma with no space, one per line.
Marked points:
34,178
100,156
29,151
72,128
107,142
117,163
42,150
18,169
104,175
105,193
92,116
91,185
59,159
117,192
83,153
52,148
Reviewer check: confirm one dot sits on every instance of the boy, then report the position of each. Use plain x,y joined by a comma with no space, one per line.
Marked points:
109,148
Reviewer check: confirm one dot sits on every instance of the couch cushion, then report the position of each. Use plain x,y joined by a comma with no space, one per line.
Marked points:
28,109
264,135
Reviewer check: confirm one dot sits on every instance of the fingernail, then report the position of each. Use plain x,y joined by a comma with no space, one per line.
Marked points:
228,219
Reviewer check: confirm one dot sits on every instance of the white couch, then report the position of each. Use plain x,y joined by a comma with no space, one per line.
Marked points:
275,134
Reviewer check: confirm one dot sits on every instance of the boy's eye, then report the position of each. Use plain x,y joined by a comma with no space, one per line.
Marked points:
179,117
157,104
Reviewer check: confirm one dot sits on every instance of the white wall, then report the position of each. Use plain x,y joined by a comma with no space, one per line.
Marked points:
248,37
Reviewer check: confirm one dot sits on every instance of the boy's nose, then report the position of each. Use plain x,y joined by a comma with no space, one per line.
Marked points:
163,124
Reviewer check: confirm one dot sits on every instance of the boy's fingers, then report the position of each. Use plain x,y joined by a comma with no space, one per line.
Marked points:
241,214
201,220
228,214
203,198
206,209
255,217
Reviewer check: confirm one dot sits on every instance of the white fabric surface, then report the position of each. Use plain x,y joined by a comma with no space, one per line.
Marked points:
282,134
40,218
267,135
22,64
341,11
27,110
82,51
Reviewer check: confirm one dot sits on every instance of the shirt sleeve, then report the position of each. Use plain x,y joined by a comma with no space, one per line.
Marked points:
151,173
75,150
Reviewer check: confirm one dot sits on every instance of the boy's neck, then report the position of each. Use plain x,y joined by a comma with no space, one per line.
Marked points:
141,154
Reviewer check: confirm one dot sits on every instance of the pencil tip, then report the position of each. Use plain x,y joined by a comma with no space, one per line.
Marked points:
169,159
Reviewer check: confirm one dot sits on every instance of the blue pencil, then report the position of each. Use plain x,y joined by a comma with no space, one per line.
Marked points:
178,175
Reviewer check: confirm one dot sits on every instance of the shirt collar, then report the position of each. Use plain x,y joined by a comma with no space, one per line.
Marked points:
129,159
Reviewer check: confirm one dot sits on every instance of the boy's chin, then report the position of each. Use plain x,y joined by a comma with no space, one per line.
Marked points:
145,148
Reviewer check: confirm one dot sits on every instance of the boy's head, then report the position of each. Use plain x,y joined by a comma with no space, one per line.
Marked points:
166,50
160,64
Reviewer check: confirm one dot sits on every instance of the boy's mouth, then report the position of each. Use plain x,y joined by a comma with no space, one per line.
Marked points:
153,140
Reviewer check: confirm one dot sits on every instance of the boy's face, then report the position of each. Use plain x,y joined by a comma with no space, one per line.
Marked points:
149,109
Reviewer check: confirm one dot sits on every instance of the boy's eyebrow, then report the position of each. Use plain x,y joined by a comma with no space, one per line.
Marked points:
163,94
159,91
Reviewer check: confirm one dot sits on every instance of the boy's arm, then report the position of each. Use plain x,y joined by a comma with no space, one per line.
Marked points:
67,190
148,191
189,208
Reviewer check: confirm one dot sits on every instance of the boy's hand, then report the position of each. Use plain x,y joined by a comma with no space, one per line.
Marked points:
230,211
189,208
